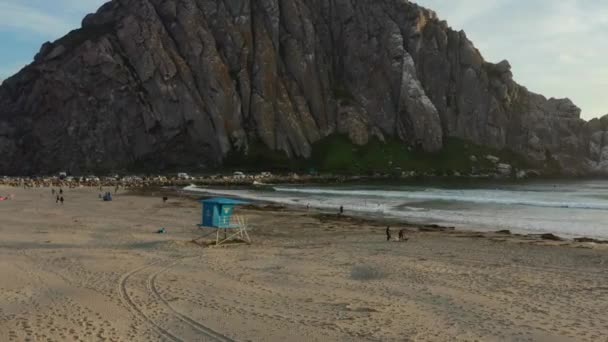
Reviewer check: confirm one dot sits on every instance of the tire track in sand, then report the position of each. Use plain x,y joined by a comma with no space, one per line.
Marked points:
131,303
182,323
215,336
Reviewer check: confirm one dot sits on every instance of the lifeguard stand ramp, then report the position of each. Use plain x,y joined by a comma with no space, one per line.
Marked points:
218,214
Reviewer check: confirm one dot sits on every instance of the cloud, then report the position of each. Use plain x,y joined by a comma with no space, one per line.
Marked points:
46,19
556,48
19,17
26,24
462,12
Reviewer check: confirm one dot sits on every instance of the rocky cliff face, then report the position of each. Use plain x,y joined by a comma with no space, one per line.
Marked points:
168,82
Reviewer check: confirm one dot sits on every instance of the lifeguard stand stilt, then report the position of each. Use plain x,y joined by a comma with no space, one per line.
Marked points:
218,214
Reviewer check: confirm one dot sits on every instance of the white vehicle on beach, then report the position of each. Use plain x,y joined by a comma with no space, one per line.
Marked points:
92,178
184,176
238,175
132,179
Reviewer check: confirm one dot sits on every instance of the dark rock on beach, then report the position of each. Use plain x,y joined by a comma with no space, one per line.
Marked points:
584,239
551,237
434,228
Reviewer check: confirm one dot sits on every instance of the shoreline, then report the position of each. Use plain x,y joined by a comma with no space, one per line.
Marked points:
549,239
374,218
545,239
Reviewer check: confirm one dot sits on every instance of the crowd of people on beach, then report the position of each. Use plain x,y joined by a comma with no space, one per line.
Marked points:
56,182
137,181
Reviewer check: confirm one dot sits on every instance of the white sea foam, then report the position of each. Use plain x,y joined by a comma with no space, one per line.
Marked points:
348,204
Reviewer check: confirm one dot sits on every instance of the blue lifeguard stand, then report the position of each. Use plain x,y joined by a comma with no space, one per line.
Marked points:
218,214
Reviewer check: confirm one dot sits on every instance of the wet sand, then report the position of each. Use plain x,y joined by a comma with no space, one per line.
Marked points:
97,271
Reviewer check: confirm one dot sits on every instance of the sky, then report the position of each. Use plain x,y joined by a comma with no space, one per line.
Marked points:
26,24
556,47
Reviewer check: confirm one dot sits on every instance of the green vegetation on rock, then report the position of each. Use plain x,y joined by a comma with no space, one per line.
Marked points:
337,154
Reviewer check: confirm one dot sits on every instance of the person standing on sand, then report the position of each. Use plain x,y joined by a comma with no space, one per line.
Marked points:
57,199
61,191
388,233
61,200
341,210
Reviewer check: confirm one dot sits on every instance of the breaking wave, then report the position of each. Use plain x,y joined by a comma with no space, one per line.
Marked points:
501,197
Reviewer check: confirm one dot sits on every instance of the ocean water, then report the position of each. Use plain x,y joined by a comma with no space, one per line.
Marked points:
567,208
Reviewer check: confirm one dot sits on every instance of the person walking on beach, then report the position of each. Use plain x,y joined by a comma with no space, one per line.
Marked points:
61,200
61,191
57,199
341,210
402,235
388,233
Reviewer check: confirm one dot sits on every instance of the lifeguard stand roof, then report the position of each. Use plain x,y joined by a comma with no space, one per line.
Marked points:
223,201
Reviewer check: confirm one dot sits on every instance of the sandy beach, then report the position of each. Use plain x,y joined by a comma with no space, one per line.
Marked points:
97,271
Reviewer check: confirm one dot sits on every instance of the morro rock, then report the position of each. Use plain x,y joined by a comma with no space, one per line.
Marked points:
184,82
